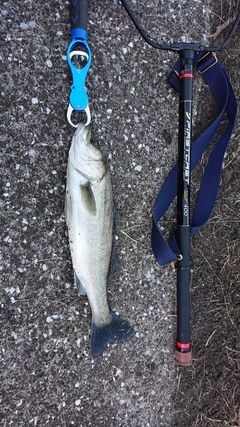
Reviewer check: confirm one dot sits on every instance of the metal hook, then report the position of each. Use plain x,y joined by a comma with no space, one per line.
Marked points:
69,115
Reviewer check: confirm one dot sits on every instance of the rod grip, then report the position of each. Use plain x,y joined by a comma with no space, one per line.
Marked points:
79,14
183,352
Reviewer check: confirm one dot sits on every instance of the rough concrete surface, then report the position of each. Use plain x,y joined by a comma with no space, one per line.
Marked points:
47,375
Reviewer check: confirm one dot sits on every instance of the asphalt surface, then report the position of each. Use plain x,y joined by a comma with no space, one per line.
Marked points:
47,374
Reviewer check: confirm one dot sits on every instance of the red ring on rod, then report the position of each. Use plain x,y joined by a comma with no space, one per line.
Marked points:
187,74
183,346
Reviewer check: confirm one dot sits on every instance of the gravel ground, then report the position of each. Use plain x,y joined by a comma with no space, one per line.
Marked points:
47,374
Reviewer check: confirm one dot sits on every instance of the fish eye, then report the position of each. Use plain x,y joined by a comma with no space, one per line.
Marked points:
94,143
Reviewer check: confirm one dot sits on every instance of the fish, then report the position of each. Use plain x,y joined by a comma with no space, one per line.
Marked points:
90,222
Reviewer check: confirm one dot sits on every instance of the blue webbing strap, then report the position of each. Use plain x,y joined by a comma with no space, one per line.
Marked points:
218,81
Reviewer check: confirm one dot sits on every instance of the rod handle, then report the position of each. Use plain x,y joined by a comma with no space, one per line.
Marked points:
79,17
183,351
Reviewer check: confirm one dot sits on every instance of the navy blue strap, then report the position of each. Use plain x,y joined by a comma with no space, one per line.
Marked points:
218,81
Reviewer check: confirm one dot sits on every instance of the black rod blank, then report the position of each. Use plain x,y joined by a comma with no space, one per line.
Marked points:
183,346
79,14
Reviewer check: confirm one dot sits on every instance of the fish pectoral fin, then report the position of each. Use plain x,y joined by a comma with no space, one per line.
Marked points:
114,265
80,287
88,198
117,330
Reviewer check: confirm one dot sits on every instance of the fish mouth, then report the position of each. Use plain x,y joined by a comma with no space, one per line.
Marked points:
84,131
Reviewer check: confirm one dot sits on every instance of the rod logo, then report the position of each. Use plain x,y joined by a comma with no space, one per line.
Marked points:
187,147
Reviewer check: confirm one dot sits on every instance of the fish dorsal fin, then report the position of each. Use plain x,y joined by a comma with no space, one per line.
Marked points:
88,198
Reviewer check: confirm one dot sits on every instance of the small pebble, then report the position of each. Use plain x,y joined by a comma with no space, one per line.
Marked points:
24,26
49,63
32,24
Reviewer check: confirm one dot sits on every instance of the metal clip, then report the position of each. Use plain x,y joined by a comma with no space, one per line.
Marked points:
78,96
209,60
174,263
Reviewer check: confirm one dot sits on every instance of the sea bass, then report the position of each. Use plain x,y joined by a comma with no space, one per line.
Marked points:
89,218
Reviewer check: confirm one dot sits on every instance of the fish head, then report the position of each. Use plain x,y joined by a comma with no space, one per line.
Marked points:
86,158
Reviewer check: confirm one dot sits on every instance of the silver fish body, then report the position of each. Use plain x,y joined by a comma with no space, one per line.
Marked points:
89,217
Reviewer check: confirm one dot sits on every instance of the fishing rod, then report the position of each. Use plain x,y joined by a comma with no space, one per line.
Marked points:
79,60
181,242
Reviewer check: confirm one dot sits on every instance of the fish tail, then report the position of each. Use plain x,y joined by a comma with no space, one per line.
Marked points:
117,330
